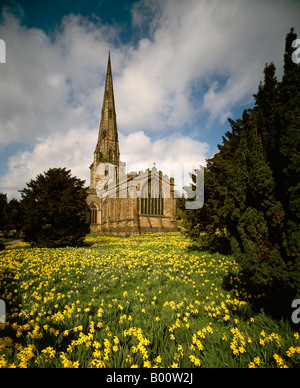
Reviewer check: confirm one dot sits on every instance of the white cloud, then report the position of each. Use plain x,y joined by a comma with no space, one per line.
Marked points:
48,85
74,150
140,152
191,43
203,40
51,87
176,155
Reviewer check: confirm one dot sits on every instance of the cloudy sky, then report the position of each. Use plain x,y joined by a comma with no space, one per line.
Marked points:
180,69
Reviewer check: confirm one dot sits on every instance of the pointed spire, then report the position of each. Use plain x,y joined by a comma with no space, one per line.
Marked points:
109,91
107,148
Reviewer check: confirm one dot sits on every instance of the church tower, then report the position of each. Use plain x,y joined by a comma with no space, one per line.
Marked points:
107,148
151,209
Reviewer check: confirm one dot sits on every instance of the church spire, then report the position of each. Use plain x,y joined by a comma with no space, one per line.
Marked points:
107,149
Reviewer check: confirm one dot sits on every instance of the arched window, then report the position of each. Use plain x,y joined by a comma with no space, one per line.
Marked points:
111,154
152,202
93,213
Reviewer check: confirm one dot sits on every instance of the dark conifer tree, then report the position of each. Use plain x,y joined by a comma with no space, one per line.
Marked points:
14,217
252,188
3,206
55,210
288,185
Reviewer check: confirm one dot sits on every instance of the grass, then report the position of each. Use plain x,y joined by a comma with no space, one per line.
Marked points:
146,301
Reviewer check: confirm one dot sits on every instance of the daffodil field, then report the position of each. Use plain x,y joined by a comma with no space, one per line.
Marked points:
148,301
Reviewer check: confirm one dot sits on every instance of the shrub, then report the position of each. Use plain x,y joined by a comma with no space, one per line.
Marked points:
55,210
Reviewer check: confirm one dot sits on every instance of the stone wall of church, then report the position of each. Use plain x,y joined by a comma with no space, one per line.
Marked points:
121,216
94,200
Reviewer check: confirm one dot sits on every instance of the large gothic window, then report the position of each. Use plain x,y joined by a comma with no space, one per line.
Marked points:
152,202
93,213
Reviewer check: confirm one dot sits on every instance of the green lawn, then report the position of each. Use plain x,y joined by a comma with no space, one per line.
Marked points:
147,301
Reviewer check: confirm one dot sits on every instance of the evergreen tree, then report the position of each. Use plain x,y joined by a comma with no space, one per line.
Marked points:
3,206
207,224
289,147
257,216
252,188
55,210
14,216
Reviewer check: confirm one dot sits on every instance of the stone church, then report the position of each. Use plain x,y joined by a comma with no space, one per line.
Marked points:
120,203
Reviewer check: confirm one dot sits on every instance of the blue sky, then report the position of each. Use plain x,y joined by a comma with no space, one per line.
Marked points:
180,69
47,15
